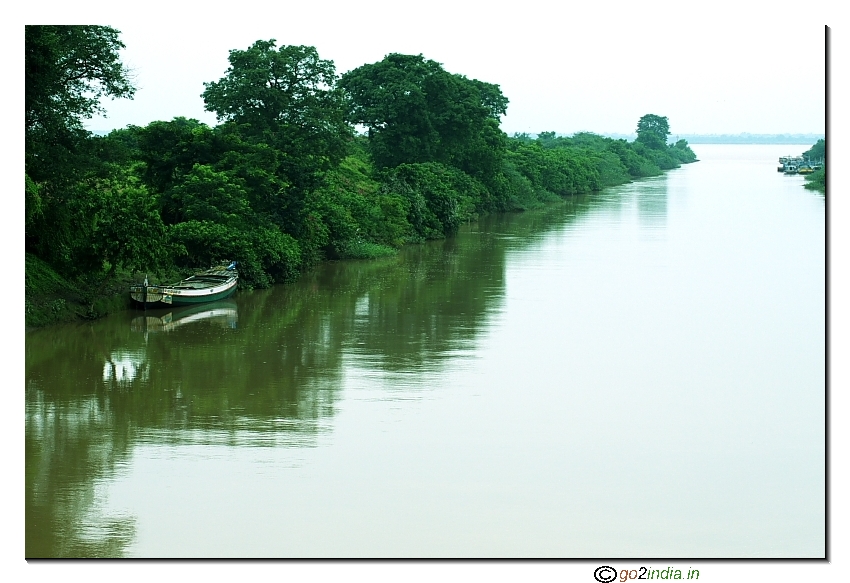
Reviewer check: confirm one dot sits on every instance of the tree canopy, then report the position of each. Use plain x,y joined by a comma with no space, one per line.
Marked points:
268,87
285,98
68,70
652,131
416,111
816,152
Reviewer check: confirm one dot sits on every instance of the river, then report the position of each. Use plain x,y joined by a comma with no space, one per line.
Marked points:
635,373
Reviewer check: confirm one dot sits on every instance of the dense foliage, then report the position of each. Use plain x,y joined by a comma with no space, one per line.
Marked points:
284,180
817,152
69,190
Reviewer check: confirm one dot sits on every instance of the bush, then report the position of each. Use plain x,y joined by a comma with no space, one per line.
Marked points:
360,249
439,198
265,254
560,170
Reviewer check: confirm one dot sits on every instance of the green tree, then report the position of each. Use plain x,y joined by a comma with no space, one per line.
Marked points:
416,111
205,194
32,202
285,97
817,155
170,149
562,171
354,216
817,152
439,198
126,229
284,104
265,254
68,69
652,131
682,152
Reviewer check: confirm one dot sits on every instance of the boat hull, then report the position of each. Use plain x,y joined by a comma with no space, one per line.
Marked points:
160,300
203,288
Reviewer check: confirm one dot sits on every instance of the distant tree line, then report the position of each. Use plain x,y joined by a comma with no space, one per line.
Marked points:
304,165
746,138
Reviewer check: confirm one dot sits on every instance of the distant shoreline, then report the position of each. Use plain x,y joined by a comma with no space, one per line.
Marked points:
778,139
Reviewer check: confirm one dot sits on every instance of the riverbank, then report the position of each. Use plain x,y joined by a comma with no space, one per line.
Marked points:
51,299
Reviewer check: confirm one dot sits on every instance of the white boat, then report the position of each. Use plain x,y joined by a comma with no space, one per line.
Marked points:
211,285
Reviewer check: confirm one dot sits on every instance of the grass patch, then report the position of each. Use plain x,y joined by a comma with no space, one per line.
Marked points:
535,198
50,298
365,250
816,180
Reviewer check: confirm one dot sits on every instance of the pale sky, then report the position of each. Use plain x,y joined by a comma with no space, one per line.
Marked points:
710,68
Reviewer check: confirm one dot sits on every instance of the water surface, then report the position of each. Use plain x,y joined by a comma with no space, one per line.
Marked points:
636,373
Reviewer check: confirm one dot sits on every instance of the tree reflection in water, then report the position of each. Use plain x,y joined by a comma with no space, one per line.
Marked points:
194,376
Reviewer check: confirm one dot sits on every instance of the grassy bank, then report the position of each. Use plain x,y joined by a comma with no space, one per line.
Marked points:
816,181
50,298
